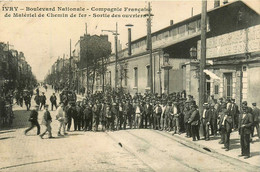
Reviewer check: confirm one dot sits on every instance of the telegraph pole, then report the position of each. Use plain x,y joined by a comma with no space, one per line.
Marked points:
202,83
149,46
70,67
115,33
116,53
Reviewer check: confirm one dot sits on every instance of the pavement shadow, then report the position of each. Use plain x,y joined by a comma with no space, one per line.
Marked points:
4,138
215,138
255,153
7,131
20,120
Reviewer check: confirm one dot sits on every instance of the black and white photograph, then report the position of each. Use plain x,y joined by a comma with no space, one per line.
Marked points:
130,86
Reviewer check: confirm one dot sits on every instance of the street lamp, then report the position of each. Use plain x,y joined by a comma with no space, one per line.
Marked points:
193,52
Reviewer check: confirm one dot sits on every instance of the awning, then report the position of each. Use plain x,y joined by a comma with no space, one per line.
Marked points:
212,75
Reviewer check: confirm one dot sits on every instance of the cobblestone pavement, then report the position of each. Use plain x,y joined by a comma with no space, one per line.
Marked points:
126,150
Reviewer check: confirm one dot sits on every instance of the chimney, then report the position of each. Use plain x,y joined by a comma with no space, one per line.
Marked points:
216,3
225,2
171,22
129,42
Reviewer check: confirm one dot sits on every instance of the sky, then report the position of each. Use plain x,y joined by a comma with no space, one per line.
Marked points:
44,39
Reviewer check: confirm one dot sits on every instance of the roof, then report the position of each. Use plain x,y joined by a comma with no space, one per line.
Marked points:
213,11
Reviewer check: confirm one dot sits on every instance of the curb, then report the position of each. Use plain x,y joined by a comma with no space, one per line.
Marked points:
211,152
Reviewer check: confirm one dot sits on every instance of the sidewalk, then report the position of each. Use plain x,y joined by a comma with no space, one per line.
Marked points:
235,148
214,146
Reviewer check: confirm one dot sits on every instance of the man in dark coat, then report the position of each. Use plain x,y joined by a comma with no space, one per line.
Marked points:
233,109
205,120
148,109
225,125
53,100
244,128
27,101
256,115
128,110
187,113
34,121
47,122
214,120
72,114
87,117
42,100
194,122
96,115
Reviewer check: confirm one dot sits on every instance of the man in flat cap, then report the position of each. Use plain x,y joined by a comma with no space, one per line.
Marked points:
46,120
225,125
244,128
256,115
34,120
205,120
194,122
233,109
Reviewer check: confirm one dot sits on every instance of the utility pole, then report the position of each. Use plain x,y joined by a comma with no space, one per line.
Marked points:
202,82
149,46
70,66
115,33
116,53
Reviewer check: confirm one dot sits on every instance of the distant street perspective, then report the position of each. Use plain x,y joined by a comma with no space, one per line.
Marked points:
108,86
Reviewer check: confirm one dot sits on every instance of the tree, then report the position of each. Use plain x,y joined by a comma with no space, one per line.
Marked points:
93,50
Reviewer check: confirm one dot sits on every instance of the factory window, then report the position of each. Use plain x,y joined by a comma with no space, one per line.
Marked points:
192,27
182,30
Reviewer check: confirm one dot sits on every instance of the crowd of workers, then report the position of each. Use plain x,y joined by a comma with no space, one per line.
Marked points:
173,113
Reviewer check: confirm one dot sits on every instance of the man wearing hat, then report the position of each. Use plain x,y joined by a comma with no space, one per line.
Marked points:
53,100
60,116
256,115
233,110
42,100
194,122
157,115
176,118
148,113
34,120
225,125
244,128
46,120
205,120
187,113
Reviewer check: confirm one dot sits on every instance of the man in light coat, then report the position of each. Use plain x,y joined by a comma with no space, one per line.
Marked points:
61,118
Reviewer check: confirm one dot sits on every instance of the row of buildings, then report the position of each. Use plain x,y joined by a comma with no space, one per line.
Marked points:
15,72
232,57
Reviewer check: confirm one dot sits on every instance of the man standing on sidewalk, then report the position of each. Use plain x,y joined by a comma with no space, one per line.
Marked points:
226,128
245,124
46,120
176,118
256,115
194,121
34,120
205,120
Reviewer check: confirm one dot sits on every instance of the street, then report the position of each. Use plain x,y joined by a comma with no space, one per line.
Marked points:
125,150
